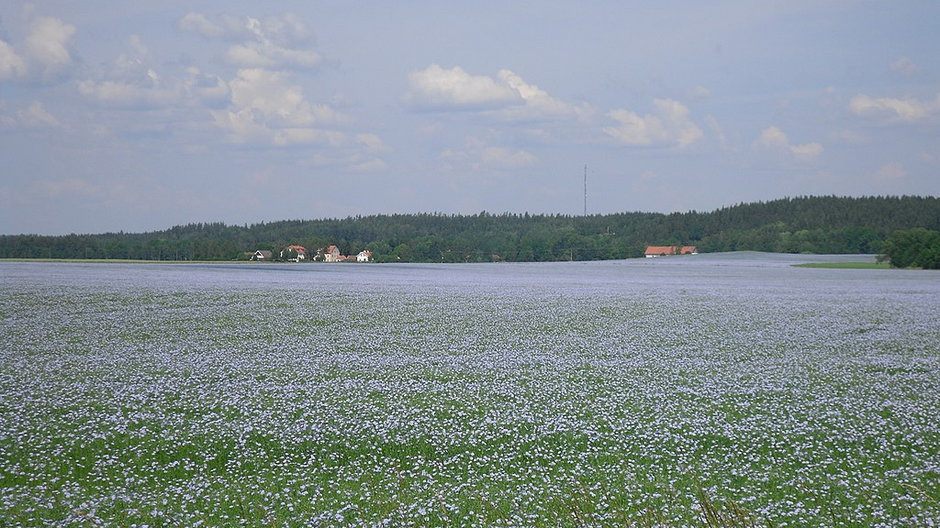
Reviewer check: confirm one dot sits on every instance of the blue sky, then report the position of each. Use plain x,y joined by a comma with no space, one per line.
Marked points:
144,115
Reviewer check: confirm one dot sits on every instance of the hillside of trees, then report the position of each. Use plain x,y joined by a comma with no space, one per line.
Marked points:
822,224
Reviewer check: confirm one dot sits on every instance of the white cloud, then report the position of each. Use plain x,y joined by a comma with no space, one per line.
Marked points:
199,23
537,104
807,151
69,186
33,116
204,88
347,159
891,172
908,110
264,54
132,83
286,137
372,165
284,29
700,92
775,139
277,42
12,65
270,95
507,96
851,137
126,94
45,53
507,158
129,82
669,126
372,143
48,43
477,155
266,107
435,87
716,130
904,66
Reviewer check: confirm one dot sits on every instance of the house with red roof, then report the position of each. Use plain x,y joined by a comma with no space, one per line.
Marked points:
659,251
294,253
333,255
662,251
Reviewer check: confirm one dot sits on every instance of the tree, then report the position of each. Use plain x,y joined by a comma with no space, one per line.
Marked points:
913,248
402,253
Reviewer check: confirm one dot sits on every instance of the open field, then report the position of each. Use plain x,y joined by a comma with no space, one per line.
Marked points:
565,394
845,265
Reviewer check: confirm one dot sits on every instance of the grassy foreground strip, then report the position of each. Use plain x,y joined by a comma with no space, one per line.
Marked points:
123,261
845,265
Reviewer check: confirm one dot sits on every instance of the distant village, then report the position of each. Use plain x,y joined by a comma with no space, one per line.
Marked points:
295,253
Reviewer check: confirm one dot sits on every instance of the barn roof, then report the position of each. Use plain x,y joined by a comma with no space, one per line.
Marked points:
660,250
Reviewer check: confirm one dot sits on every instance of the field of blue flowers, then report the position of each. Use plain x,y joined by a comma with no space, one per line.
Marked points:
551,394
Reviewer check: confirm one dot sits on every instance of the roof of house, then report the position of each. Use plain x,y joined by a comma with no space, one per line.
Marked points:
688,249
660,250
298,249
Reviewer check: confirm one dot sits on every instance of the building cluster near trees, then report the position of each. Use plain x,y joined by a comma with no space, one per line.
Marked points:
295,253
662,251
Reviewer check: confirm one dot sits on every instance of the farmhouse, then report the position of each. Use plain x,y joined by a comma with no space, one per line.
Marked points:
364,256
333,255
662,251
262,254
300,251
659,251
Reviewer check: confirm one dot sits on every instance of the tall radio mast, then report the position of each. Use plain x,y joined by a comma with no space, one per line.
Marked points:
585,190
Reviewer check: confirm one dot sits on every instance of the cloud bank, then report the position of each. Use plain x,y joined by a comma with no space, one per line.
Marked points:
668,126
44,56
904,110
267,107
275,42
775,139
455,89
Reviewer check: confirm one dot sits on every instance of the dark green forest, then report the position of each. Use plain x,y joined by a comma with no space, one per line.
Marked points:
820,224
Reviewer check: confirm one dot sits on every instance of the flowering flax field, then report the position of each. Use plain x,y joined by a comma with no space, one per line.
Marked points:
644,392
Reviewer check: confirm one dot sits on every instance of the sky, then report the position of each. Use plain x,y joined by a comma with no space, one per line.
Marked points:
139,116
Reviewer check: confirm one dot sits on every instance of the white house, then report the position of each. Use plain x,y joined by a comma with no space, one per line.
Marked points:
364,256
333,255
299,250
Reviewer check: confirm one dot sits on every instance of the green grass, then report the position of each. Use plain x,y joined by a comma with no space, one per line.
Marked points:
118,261
845,265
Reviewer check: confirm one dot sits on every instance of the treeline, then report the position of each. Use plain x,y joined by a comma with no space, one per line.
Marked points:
824,224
